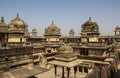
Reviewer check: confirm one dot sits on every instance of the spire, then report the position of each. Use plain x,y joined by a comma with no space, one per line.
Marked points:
17,15
52,22
2,19
89,18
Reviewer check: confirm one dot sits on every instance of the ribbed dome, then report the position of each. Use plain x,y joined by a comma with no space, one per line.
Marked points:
90,26
17,23
90,22
52,29
66,49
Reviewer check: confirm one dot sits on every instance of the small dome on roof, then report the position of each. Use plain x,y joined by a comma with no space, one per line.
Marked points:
52,29
34,30
117,28
71,31
66,49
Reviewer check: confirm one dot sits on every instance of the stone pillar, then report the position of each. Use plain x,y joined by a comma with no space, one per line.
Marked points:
55,70
75,70
68,73
62,72
72,72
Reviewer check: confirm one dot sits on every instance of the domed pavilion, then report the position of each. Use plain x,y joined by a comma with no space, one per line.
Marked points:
52,33
17,24
18,32
90,28
89,31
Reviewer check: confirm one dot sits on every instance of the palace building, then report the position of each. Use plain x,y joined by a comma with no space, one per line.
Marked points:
89,55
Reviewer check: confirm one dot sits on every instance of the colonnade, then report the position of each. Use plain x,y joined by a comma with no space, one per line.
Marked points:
74,70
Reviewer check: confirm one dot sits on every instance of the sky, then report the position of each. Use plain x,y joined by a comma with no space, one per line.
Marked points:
66,14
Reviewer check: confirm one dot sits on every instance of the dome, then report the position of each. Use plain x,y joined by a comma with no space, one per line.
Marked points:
90,22
66,49
90,26
34,30
52,30
71,31
17,23
117,28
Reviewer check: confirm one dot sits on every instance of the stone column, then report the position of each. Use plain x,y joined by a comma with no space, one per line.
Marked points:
75,70
68,72
55,66
72,72
62,72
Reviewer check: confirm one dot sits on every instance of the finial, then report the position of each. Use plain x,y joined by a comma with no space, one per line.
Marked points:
52,22
17,15
2,19
89,18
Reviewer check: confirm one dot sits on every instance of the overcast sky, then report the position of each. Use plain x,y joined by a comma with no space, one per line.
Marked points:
66,14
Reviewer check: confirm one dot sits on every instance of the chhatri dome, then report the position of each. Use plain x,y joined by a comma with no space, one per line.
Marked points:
90,27
66,48
17,23
71,32
90,24
52,29
34,30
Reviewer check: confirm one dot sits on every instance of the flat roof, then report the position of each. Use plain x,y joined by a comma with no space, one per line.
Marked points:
23,72
75,62
65,64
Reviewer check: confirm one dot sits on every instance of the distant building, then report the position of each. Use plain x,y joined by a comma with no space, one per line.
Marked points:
34,32
71,32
